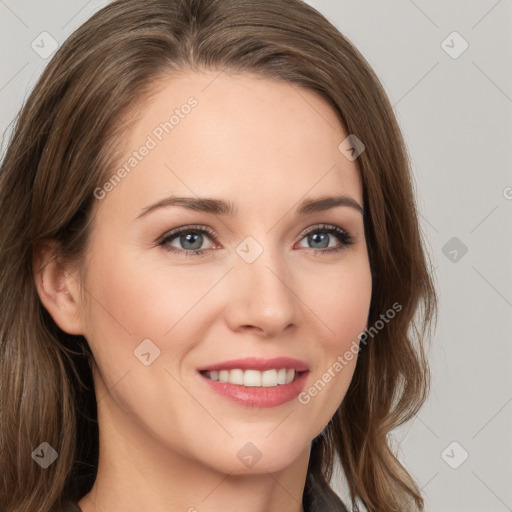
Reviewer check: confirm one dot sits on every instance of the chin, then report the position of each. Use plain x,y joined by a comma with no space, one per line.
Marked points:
241,457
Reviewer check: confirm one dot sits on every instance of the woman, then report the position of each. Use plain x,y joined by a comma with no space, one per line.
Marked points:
139,372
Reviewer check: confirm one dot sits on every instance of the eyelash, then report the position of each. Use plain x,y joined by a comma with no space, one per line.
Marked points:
344,237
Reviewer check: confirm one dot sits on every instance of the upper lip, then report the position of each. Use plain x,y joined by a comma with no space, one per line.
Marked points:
258,363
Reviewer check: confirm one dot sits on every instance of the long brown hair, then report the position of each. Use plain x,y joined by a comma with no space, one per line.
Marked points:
65,143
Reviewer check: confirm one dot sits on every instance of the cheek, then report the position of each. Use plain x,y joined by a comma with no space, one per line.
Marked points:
341,299
145,298
132,300
342,302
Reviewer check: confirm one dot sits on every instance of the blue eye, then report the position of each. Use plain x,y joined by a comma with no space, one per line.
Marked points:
320,236
191,239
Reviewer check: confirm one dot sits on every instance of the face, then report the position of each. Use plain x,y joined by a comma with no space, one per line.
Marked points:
177,292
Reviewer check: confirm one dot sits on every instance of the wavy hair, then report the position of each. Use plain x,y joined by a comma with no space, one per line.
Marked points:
65,141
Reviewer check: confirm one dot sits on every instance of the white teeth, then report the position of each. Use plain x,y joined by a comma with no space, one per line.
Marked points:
269,378
236,377
253,378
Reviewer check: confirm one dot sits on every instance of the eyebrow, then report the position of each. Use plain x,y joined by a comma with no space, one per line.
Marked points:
220,207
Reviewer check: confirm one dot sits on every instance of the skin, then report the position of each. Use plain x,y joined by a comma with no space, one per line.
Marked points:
168,442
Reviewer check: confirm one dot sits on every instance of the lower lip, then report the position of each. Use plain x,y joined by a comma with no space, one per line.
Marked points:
252,396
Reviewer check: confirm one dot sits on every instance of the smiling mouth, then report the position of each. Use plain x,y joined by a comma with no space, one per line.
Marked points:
254,378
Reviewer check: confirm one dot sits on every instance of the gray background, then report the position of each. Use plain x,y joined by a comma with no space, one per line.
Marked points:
456,117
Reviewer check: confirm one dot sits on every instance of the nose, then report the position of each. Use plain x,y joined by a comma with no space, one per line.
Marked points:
263,298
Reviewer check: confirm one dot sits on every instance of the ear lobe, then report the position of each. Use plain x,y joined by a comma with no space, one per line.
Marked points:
57,288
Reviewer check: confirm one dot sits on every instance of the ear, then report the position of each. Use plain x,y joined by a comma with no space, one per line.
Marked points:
58,288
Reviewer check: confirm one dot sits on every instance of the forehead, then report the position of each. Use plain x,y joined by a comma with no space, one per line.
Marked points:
234,136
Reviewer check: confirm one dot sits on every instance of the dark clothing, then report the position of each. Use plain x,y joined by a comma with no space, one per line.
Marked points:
71,506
